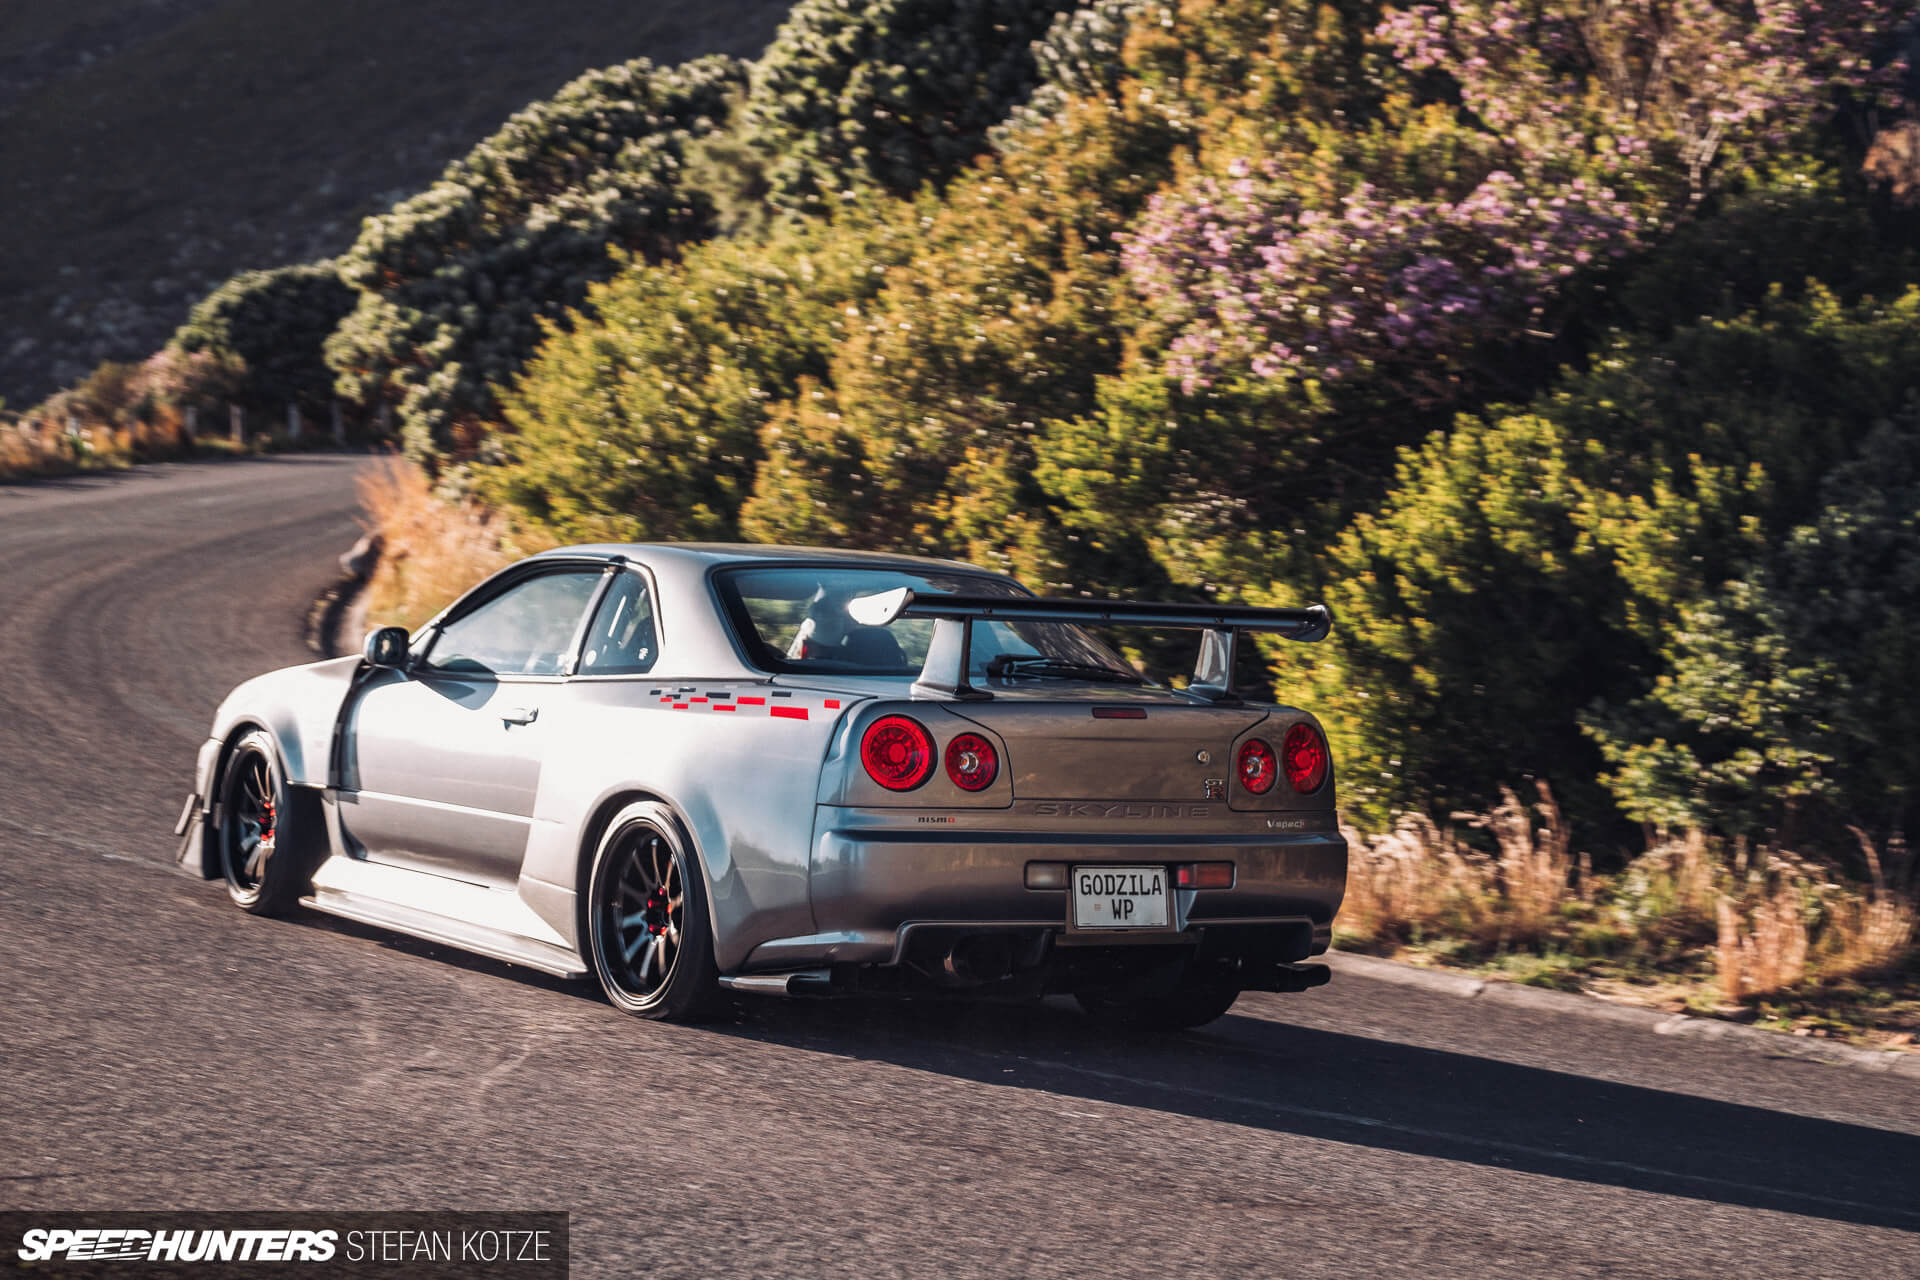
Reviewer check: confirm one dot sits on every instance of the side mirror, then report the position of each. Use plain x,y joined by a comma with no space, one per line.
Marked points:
386,647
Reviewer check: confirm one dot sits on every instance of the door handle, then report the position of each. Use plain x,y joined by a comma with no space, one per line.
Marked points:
520,715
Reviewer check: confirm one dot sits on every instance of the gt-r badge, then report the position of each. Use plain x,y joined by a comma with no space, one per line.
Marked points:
1216,788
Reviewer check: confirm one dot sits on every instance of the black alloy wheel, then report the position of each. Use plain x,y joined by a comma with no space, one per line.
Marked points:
651,942
252,837
645,912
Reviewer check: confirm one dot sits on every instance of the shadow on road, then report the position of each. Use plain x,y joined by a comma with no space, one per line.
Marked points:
1378,1093
1341,1088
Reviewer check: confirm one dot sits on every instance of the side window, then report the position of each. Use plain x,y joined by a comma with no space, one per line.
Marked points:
622,640
527,630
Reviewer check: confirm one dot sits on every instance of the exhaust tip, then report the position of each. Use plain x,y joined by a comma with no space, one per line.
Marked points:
804,982
1302,977
980,958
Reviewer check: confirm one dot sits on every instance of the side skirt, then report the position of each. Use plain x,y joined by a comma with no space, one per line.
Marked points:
472,917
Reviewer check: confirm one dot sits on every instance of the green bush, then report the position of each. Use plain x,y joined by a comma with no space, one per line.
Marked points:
1800,218
1474,616
1081,56
1596,560
972,414
273,326
454,283
1850,583
888,92
646,422
920,435
1787,700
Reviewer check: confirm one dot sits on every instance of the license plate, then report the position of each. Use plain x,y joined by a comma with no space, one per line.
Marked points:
1120,898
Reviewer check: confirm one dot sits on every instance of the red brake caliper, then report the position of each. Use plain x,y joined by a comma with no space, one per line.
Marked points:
657,903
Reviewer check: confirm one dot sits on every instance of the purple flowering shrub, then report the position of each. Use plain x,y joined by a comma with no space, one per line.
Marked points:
1675,83
1255,279
1590,130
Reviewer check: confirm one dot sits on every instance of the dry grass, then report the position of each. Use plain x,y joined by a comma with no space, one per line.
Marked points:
1693,874
1741,924
1534,869
41,447
1763,945
1423,879
1409,881
1792,919
20,450
432,549
119,414
1869,936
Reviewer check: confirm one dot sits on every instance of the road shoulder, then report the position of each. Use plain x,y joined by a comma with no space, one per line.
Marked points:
1685,1026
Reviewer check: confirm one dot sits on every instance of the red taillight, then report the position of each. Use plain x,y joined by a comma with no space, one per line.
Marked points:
1256,766
1304,756
972,762
898,753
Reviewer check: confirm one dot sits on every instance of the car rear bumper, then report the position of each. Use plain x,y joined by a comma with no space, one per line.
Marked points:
873,890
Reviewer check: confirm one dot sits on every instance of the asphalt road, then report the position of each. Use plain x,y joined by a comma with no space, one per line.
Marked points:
161,1049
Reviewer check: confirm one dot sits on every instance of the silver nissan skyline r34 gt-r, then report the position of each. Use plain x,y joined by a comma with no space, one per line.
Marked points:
690,768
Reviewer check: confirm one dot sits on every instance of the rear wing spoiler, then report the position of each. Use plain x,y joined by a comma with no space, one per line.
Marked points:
947,664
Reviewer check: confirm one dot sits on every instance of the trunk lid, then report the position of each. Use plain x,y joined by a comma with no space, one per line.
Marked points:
1113,743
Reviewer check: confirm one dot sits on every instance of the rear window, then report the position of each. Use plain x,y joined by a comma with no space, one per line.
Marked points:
793,618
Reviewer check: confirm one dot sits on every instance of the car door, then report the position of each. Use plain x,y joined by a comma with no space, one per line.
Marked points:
441,761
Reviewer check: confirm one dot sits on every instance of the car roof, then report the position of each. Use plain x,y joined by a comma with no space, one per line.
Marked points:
701,554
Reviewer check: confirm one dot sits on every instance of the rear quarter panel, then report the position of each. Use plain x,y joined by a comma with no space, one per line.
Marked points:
738,761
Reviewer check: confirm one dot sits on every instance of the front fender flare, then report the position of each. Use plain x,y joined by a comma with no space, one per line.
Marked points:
299,708
305,810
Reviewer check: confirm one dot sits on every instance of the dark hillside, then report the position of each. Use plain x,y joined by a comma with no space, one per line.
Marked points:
151,148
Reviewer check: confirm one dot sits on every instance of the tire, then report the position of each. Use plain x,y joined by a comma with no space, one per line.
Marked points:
649,937
256,851
1188,1004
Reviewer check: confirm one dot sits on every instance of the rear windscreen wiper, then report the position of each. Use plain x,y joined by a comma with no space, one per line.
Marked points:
1008,664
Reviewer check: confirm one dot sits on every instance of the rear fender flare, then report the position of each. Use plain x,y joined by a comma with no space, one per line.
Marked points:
616,809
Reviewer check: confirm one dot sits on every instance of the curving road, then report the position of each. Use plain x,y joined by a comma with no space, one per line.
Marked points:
164,1050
